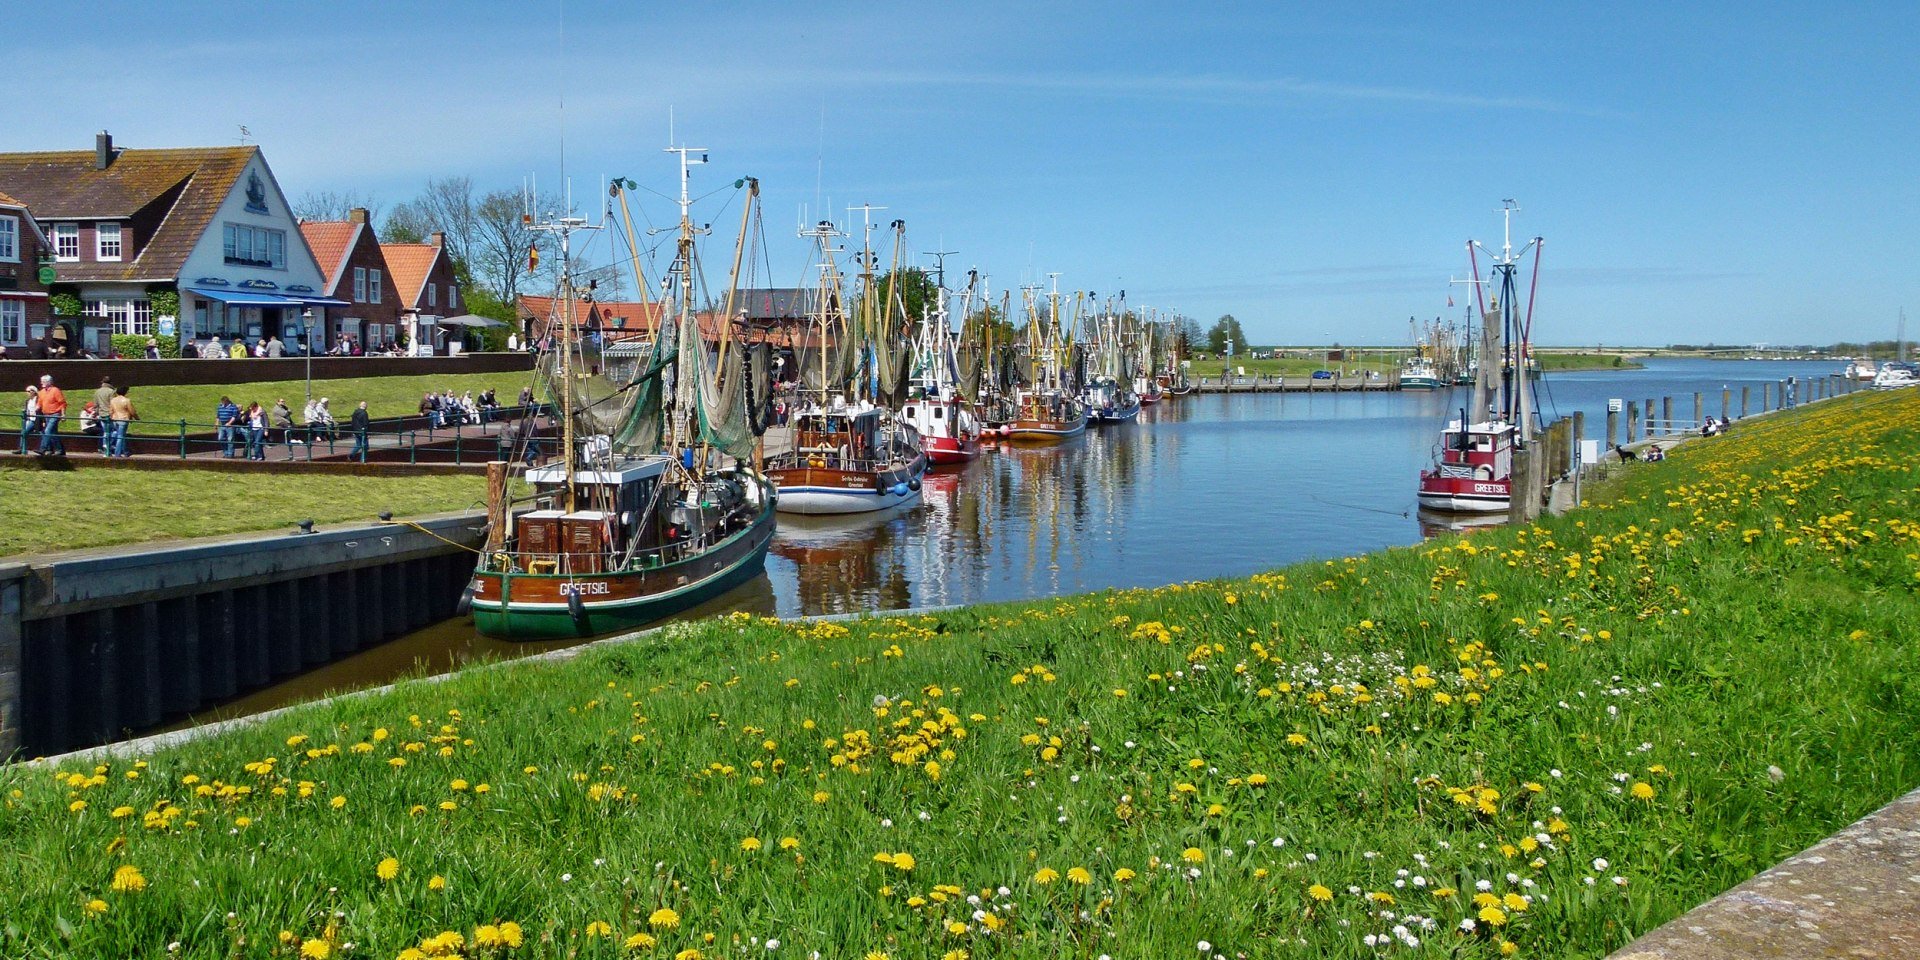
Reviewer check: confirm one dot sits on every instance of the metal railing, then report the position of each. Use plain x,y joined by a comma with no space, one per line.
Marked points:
413,439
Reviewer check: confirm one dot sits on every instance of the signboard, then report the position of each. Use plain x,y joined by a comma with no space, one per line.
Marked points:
166,326
1589,452
48,275
1616,405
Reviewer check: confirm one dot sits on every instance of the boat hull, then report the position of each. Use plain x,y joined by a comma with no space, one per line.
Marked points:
944,451
1421,383
1044,431
1464,494
1116,415
824,490
526,606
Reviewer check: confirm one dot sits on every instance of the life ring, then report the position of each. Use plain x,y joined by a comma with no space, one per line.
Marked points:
1483,472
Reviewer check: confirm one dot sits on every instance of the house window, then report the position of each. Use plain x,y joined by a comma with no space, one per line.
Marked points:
359,284
106,241
13,323
373,286
128,316
431,294
249,246
453,297
66,242
10,239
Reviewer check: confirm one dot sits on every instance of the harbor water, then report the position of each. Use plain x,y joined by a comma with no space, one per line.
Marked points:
1199,487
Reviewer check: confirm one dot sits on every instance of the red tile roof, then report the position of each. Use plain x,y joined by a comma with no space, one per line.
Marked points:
410,264
192,183
331,242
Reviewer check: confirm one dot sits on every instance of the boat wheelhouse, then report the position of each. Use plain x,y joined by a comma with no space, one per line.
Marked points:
1109,401
949,432
1419,373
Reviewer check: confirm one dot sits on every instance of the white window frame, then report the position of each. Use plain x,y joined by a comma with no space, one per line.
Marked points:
453,297
264,248
432,293
105,233
66,235
359,284
126,316
9,239
373,286
13,323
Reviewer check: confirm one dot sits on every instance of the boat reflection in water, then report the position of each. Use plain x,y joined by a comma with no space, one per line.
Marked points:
1434,523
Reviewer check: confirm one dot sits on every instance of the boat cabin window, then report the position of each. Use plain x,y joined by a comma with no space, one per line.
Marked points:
939,413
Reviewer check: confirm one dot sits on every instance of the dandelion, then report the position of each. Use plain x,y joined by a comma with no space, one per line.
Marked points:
789,843
1493,916
1320,893
1193,855
96,906
1079,875
1123,875
436,883
641,941
1046,875
664,919
750,844
387,869
316,950
599,928
128,879
1642,790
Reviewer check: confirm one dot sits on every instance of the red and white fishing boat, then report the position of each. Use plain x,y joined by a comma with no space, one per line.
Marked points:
949,431
1474,472
1473,466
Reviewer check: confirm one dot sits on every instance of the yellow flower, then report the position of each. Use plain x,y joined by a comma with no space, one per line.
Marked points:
1046,875
388,869
640,941
903,861
750,844
1079,875
821,796
1320,893
338,802
96,906
599,928
789,843
1493,916
877,955
437,882
77,806
956,928
1123,875
664,919
1193,855
1642,790
1257,780
316,950
688,954
127,879
120,812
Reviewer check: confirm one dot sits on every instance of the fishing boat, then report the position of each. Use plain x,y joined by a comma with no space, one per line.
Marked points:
1047,408
653,505
937,409
1109,393
1419,373
1472,470
1863,369
850,452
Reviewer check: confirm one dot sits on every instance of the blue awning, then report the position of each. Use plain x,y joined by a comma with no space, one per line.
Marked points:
244,298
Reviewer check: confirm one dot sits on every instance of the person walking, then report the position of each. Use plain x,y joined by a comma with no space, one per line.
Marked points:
226,417
153,349
256,421
121,414
359,424
53,406
283,422
274,347
29,416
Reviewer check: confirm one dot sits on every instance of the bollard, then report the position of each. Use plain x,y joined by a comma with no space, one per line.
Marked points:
1699,412
1666,416
183,439
1726,402
1613,428
1766,397
1746,393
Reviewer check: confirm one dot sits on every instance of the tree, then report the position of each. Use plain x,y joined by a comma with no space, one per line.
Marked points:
1187,334
914,288
334,205
1224,331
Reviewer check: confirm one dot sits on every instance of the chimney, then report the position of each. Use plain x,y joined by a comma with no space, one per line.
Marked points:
438,238
357,215
102,150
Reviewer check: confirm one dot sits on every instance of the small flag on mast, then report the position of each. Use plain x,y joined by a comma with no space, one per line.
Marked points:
1449,299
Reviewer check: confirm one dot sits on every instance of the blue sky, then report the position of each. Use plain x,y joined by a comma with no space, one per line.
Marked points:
1733,172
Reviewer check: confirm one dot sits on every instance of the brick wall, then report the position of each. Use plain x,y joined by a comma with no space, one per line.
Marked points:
179,372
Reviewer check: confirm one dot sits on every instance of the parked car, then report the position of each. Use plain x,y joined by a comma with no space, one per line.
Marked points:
1323,374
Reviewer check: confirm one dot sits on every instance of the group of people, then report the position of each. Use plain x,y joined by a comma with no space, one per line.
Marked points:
443,409
105,416
252,429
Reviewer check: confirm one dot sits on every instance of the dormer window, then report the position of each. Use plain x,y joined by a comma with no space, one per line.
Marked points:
66,242
9,239
106,241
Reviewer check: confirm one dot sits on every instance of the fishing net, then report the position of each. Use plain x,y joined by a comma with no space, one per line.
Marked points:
759,396
716,389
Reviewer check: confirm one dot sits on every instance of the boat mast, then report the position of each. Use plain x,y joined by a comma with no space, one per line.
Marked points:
1516,389
564,227
683,265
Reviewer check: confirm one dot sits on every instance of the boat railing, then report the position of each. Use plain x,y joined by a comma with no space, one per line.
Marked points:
831,458
586,565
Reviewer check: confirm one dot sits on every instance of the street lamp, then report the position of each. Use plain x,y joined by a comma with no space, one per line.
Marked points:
306,330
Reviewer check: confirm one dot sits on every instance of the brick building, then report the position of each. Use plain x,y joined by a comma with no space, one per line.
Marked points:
23,298
427,290
357,272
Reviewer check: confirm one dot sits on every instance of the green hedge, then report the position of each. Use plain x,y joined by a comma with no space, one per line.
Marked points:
134,345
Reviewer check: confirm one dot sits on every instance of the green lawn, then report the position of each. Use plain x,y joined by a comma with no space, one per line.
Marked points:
1533,741
161,408
99,507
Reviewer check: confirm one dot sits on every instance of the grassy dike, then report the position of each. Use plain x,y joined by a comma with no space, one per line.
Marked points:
1531,742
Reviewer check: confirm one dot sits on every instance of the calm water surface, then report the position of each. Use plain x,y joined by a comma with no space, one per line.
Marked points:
1200,487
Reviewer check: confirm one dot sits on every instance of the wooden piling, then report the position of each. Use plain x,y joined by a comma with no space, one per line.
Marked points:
1699,411
1666,416
1633,421
1746,394
1726,402
1613,428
